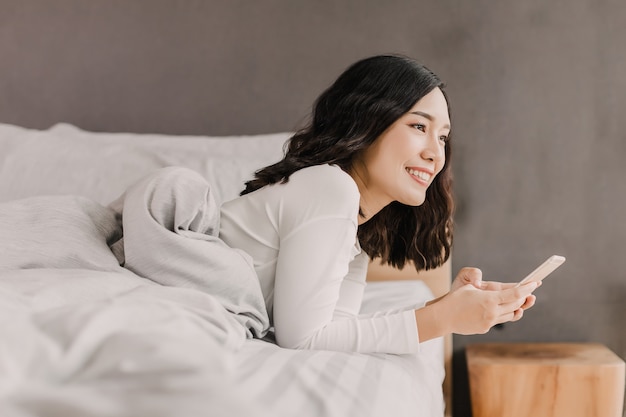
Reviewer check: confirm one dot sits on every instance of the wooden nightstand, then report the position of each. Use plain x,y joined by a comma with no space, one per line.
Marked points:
545,380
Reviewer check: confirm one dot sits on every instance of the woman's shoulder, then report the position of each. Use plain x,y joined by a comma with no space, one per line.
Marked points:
326,177
326,187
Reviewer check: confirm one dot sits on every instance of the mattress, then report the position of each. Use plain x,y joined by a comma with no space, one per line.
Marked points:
73,346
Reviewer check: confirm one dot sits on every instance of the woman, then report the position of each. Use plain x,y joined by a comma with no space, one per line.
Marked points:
368,177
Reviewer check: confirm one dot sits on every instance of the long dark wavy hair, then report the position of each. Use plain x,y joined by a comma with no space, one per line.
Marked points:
346,119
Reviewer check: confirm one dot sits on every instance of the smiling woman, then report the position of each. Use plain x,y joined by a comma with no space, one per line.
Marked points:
368,177
369,99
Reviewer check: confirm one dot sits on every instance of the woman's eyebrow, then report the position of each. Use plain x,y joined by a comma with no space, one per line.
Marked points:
427,116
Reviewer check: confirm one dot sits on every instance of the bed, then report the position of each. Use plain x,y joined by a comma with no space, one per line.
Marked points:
84,336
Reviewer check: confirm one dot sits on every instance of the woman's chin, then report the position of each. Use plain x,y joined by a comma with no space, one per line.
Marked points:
413,201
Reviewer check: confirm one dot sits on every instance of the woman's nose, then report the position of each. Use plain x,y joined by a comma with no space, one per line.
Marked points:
434,149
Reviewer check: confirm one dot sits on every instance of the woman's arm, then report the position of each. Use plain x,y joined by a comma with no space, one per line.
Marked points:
312,264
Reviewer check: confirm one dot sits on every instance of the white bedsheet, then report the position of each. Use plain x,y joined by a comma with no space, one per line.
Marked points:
87,343
323,383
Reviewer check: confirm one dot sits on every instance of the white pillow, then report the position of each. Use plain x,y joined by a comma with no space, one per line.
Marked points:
67,160
63,232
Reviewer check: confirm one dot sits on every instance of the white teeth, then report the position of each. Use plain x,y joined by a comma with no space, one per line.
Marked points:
419,174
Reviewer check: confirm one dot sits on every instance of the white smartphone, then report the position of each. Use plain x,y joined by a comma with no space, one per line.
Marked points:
543,270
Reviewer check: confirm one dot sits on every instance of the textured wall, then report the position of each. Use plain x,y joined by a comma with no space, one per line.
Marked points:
194,66
538,94
540,165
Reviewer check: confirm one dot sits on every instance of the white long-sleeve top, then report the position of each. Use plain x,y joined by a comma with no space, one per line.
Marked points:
302,237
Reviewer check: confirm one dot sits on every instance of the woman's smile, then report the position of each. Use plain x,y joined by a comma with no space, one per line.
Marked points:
420,175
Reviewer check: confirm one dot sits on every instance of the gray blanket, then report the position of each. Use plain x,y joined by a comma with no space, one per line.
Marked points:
164,228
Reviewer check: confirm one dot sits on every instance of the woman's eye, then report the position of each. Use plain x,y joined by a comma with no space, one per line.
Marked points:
419,126
444,138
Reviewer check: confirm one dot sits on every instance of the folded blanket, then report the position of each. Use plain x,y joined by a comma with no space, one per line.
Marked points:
171,226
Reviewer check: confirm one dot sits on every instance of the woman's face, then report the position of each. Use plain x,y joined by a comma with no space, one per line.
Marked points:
403,162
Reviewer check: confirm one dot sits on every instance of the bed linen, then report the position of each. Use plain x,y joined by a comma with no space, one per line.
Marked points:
82,335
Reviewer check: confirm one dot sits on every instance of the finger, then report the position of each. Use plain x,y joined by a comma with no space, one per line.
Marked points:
530,301
511,307
510,316
511,294
472,276
505,318
496,286
491,286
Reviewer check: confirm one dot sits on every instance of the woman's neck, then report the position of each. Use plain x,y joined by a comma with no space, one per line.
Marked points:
371,202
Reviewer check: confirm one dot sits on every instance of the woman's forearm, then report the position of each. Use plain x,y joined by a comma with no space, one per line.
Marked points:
430,322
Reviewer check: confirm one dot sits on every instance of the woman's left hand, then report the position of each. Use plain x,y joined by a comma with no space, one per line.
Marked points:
467,275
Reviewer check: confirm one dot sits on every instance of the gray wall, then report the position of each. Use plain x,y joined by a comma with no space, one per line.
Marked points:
540,165
537,89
